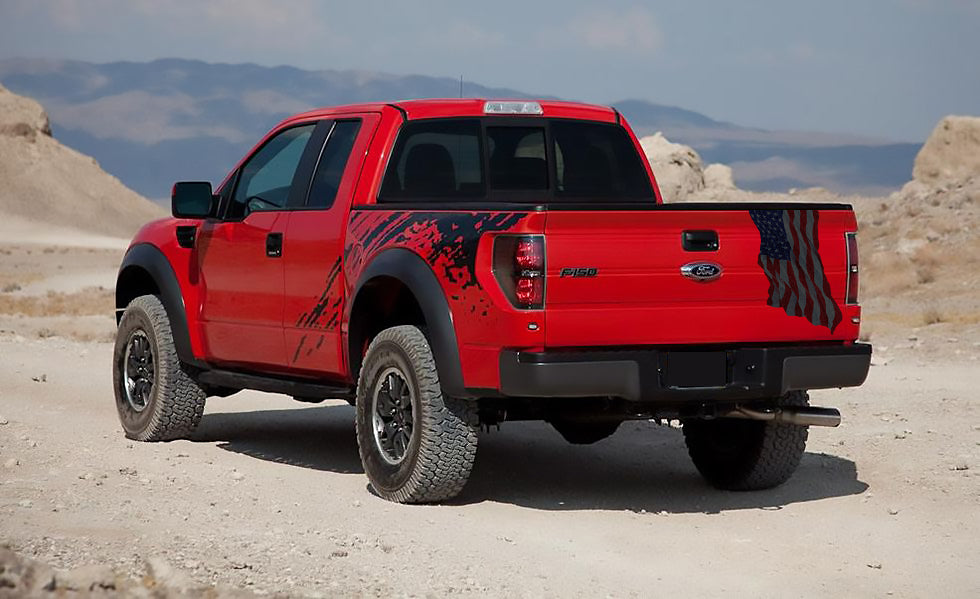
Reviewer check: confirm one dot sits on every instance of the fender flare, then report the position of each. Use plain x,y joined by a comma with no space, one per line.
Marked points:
416,274
150,259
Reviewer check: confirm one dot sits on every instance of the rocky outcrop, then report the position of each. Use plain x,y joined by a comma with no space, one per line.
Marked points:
48,183
21,576
677,167
718,176
952,152
22,117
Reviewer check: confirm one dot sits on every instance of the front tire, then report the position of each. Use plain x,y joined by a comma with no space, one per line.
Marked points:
747,455
155,397
416,445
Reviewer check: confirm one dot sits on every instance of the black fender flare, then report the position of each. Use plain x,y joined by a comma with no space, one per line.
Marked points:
150,259
416,274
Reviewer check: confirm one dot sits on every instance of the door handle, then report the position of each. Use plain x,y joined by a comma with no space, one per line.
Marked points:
699,241
273,245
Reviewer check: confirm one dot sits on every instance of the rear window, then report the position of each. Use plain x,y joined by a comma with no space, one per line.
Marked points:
514,160
597,160
518,161
436,159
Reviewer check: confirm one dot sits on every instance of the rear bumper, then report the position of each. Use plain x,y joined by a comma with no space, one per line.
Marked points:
653,374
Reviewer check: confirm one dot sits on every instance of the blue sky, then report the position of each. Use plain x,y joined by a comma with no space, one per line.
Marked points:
887,69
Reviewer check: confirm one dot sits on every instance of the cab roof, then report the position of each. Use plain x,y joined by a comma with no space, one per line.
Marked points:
468,107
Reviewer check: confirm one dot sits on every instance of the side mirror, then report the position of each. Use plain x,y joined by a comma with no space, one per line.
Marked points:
192,199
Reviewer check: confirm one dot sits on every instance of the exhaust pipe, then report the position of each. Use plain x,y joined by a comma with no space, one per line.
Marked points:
801,416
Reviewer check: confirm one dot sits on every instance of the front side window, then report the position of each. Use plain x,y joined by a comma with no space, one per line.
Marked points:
267,177
333,159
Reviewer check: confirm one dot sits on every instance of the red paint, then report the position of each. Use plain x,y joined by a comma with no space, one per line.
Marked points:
290,315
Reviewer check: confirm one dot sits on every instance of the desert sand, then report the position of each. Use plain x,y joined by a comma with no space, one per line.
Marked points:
269,495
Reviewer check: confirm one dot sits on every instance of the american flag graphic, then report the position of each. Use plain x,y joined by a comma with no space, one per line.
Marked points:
789,257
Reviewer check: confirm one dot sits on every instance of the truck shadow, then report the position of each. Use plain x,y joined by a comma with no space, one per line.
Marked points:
643,467
320,438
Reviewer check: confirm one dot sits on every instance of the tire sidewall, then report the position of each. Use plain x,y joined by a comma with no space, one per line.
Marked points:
135,423
384,355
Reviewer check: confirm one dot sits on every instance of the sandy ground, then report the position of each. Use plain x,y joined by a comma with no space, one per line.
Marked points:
270,496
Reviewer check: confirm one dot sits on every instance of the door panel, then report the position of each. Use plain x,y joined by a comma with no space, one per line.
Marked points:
313,248
241,257
241,306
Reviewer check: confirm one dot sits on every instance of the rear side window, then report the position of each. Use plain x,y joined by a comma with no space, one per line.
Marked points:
333,159
595,160
436,159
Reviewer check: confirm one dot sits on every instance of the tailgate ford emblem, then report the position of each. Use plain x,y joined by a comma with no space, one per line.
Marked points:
701,271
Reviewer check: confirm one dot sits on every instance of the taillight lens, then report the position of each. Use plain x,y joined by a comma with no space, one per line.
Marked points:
518,265
852,268
529,254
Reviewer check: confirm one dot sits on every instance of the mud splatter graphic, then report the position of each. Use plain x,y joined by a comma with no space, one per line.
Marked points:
326,307
299,347
446,240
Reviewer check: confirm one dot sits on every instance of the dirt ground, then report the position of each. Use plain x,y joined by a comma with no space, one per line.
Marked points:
269,495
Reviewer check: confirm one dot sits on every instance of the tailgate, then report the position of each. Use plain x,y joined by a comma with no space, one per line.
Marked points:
615,277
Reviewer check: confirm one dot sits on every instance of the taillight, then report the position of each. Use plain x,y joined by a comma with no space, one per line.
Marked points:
518,265
852,268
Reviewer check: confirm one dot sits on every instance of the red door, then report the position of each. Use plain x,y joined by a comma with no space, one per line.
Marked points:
241,307
313,250
240,257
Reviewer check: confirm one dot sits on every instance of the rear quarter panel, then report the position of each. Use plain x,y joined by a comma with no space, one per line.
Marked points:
457,245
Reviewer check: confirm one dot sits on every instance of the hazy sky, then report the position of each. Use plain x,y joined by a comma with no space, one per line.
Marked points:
886,68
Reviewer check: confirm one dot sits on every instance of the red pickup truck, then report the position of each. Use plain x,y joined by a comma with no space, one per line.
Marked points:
450,264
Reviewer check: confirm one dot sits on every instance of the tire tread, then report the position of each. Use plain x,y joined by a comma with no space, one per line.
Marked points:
179,401
448,442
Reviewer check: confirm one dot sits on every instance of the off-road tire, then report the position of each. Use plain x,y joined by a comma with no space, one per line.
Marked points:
747,455
440,454
584,433
176,403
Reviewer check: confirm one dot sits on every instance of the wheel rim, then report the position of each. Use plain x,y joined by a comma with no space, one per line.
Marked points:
393,415
138,371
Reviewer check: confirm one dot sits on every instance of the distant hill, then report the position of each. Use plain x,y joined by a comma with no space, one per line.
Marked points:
157,122
48,184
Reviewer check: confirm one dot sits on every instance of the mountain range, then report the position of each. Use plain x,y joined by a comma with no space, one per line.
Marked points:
153,123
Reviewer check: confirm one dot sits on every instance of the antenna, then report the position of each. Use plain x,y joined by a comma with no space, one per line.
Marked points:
460,86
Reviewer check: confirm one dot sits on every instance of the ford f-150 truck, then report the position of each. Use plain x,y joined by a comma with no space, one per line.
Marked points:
447,265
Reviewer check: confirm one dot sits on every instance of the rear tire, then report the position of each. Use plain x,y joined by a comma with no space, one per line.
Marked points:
747,455
416,445
156,398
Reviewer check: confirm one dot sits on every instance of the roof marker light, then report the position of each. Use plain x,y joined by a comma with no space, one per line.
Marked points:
498,107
